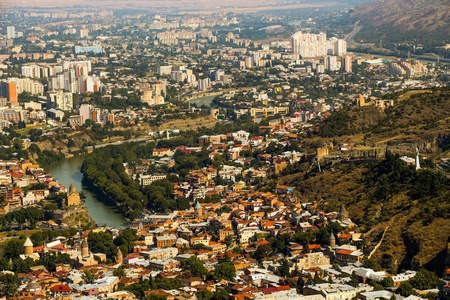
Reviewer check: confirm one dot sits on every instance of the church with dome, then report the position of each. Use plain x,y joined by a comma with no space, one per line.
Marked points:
86,258
72,198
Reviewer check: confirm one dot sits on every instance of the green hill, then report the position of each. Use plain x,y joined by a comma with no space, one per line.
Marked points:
386,192
414,203
418,119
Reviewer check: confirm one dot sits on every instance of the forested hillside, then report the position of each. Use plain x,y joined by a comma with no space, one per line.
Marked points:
414,203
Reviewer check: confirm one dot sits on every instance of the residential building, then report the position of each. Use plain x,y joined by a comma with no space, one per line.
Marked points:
331,291
10,32
168,265
165,240
149,179
60,100
9,90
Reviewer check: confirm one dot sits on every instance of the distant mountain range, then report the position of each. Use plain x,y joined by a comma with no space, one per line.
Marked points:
406,15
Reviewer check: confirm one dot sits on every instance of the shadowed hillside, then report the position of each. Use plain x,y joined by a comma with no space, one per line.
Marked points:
403,20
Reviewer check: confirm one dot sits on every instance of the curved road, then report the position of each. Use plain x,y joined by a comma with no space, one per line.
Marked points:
350,37
351,42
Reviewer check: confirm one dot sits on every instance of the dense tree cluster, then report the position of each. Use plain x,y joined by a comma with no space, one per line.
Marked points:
32,215
144,285
14,248
39,237
392,176
109,174
102,242
45,157
9,284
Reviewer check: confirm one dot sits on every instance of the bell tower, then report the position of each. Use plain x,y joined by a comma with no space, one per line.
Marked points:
84,248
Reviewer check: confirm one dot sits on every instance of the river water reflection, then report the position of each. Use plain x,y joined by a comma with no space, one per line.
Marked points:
67,172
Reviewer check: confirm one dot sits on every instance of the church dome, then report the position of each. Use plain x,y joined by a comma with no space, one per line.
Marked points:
33,287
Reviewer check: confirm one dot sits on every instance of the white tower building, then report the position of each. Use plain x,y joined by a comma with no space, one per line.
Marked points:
10,32
417,159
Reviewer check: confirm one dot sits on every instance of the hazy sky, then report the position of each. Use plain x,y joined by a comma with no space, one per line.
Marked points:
189,5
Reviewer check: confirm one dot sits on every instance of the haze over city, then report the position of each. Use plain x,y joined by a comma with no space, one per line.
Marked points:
225,150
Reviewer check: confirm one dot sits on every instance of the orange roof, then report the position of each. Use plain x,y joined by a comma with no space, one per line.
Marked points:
239,297
262,242
345,252
60,288
314,246
345,236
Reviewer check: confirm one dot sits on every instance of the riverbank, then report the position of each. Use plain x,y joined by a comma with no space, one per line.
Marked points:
67,172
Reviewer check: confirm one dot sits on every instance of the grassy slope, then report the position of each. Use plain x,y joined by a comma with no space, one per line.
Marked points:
417,233
420,227
406,15
418,119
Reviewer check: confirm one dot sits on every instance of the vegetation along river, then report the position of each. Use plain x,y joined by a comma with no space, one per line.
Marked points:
66,172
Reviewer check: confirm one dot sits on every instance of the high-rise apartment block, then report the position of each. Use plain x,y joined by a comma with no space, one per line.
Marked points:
405,68
60,100
332,63
89,112
26,85
164,70
40,70
340,46
73,77
10,32
346,63
309,45
203,84
8,90
83,32
87,49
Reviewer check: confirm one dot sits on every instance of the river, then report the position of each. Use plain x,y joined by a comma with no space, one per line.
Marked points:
67,172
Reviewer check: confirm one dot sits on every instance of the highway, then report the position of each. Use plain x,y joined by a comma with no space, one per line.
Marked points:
350,37
351,42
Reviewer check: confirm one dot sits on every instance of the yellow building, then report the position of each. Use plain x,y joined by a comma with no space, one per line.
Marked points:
238,186
361,101
29,251
322,151
28,247
73,197
280,165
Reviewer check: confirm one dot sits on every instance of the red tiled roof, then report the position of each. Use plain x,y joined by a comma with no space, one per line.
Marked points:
60,288
271,289
314,246
345,252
